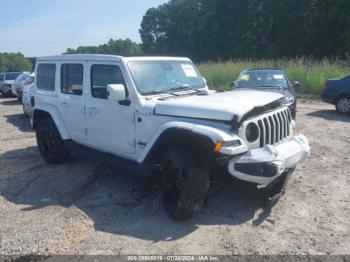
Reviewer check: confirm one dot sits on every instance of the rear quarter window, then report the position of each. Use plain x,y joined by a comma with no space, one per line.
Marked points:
46,75
72,79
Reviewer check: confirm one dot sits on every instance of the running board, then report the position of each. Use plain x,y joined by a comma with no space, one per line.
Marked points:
77,150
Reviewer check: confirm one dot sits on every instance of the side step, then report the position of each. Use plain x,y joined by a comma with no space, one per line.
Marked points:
77,150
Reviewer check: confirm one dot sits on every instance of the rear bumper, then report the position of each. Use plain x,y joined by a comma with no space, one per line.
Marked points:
264,165
5,89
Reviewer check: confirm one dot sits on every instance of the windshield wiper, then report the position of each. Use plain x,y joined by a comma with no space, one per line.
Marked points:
185,88
171,91
279,87
154,92
176,88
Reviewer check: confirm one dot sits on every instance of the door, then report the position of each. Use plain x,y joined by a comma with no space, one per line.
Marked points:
72,99
110,124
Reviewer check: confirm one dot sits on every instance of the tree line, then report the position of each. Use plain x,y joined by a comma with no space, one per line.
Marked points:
211,30
219,30
14,62
124,47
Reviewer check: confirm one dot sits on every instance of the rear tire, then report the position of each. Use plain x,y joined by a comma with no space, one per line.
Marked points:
343,105
50,143
184,185
19,98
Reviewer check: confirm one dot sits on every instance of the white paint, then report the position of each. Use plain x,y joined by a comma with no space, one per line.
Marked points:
130,131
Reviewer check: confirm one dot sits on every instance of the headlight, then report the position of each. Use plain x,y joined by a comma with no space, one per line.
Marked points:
234,147
288,99
221,144
252,132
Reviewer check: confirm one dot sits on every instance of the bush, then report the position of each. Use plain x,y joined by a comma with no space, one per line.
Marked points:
220,75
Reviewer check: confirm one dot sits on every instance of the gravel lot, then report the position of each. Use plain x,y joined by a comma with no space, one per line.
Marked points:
85,207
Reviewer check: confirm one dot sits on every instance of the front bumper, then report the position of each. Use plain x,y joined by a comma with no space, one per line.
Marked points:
264,165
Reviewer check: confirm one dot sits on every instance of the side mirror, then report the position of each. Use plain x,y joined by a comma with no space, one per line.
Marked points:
116,92
296,83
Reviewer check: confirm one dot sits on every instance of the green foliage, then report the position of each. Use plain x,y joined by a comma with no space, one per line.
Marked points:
113,47
14,62
214,30
220,75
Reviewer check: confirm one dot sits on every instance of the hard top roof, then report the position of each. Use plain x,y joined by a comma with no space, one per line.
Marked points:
100,57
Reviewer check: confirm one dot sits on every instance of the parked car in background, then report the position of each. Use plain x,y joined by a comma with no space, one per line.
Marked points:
28,100
6,85
271,80
20,82
1,77
337,92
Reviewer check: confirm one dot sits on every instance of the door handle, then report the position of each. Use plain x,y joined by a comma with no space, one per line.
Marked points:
93,110
65,104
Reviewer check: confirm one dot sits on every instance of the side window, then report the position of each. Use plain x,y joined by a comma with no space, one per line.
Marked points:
103,75
46,76
72,79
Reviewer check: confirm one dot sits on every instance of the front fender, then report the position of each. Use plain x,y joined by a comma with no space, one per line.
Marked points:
56,117
214,134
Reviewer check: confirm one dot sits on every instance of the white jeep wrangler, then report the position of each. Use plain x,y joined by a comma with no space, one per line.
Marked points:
147,113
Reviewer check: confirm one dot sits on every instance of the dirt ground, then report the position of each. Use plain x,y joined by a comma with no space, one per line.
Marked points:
85,207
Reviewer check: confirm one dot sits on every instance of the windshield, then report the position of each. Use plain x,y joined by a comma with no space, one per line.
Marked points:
11,76
262,79
152,77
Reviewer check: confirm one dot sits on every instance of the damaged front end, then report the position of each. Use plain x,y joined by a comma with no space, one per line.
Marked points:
271,147
264,165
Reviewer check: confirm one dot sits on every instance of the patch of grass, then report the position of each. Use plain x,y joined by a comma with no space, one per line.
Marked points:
310,74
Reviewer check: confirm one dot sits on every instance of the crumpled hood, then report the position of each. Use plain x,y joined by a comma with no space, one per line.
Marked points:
217,106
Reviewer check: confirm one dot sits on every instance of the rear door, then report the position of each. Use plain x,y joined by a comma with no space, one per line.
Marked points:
72,98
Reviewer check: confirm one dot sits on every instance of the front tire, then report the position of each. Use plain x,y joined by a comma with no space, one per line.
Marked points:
184,185
278,188
50,143
343,105
24,112
294,113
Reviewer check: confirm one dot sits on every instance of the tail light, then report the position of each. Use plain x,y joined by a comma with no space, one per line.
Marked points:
325,87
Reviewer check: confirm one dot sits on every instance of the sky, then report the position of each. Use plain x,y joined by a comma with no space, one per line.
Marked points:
48,27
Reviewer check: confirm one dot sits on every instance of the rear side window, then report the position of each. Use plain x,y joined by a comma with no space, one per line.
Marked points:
72,79
46,77
103,75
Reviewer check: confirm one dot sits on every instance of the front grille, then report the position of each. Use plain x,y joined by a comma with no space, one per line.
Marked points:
274,127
